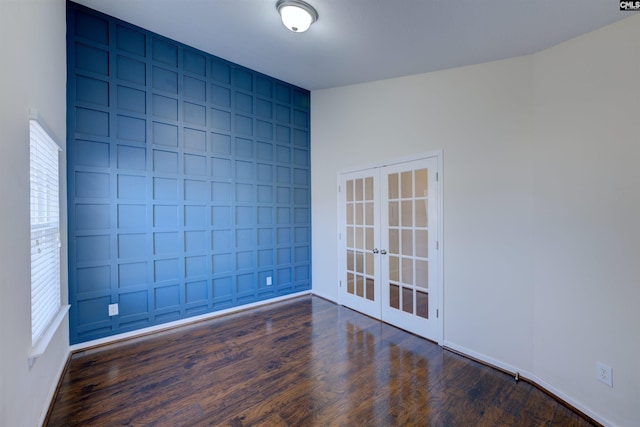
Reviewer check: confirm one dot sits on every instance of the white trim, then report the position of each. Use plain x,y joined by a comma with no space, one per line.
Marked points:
484,358
340,217
51,395
47,312
529,377
326,296
35,115
42,344
581,407
439,155
182,322
391,162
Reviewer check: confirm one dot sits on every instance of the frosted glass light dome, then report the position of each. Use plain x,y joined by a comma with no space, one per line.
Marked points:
296,15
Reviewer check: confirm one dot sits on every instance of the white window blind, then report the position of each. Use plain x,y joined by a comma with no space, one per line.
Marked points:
45,231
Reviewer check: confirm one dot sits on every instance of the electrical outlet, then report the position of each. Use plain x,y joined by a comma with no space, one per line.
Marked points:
269,282
604,374
113,309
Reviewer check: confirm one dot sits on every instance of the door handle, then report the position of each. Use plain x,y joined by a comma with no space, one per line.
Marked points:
383,252
375,250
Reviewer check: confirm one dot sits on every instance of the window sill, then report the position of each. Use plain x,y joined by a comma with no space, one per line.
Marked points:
42,344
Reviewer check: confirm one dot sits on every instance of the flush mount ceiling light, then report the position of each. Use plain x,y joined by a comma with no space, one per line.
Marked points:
296,15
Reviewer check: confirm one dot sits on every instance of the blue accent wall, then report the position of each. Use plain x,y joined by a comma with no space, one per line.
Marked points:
188,180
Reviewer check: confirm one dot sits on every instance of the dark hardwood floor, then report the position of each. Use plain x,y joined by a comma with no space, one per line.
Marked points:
303,362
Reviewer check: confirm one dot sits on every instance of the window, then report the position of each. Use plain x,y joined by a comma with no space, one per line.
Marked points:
45,238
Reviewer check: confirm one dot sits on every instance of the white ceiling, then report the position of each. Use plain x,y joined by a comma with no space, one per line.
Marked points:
356,41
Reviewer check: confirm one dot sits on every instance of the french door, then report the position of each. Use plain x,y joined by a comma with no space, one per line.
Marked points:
360,240
391,264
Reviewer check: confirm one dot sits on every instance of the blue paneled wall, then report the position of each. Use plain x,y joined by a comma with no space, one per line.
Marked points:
188,180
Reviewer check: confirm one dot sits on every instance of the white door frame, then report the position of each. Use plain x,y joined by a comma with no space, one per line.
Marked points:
438,155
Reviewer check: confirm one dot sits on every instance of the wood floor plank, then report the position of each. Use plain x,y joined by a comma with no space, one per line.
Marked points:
300,362
496,417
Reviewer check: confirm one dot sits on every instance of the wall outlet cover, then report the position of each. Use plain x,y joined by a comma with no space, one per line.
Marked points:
113,309
604,374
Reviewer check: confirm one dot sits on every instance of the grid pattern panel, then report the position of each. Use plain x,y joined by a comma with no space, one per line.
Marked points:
189,181
408,241
360,237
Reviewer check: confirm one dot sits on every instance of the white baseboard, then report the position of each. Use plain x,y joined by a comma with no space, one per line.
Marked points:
579,406
51,394
483,358
325,296
529,377
181,322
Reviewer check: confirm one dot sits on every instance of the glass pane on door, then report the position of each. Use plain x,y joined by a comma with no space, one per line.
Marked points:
360,237
408,256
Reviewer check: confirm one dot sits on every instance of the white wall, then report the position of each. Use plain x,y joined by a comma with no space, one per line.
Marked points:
534,231
587,217
480,117
32,75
